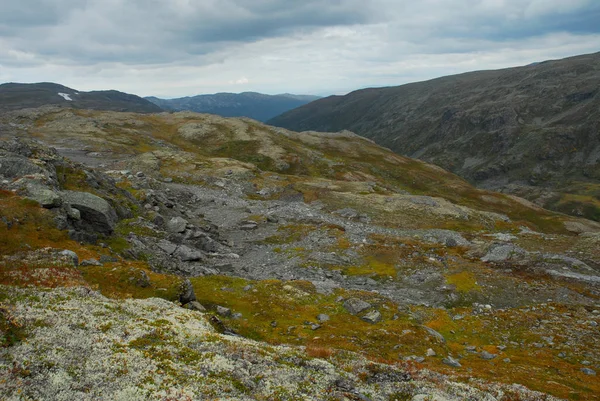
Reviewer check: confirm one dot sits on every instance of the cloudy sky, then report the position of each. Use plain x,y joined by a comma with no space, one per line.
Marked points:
172,48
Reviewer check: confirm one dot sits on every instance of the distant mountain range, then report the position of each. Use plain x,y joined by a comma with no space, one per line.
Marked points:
532,131
254,105
14,96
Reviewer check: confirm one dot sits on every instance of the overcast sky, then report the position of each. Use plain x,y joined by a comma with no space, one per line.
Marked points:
172,48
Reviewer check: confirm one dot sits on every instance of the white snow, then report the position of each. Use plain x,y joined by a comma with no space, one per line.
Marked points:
65,96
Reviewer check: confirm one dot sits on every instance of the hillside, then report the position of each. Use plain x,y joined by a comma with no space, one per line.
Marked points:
254,105
190,256
530,131
14,96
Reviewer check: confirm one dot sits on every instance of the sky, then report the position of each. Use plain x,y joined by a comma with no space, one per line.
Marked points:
173,48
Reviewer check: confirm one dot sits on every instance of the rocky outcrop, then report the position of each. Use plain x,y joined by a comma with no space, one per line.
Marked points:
95,211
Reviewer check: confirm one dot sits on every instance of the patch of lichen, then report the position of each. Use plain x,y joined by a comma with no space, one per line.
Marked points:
12,331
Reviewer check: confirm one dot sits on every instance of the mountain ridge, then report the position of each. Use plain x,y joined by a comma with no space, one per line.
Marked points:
529,130
254,105
14,96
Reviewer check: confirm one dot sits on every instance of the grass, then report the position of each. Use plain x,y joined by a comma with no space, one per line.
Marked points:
463,281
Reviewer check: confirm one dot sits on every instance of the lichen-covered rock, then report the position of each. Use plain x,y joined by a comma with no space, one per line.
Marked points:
355,305
81,345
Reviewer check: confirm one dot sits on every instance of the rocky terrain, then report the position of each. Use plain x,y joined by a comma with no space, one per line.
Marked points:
14,96
530,131
254,105
180,256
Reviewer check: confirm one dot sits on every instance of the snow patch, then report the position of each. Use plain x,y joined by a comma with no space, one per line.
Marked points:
65,96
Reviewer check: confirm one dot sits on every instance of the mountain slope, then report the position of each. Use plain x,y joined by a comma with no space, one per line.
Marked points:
530,130
247,104
14,96
323,242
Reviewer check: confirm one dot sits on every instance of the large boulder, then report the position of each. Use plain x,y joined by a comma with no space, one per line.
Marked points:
16,166
355,305
94,210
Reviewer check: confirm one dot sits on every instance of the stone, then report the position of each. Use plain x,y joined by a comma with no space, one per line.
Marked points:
72,255
486,355
434,334
248,225
354,305
47,198
94,210
223,311
322,317
108,259
143,280
176,225
503,253
186,292
73,214
167,246
90,262
430,352
451,362
588,371
196,306
187,254
372,317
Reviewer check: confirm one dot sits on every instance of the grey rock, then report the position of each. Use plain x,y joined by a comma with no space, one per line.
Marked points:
588,371
430,352
486,355
223,311
186,292
143,280
503,253
72,255
196,306
44,196
355,305
167,246
322,317
94,210
187,254
15,166
451,362
108,259
176,225
90,262
434,334
73,213
372,317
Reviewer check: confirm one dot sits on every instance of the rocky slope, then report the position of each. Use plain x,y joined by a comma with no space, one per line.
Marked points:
310,266
530,131
14,96
254,105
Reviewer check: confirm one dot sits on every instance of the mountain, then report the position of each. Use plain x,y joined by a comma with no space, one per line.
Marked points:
247,104
531,131
14,96
189,256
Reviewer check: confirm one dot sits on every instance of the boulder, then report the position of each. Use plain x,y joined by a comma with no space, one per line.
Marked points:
94,210
223,311
16,167
187,254
72,255
176,225
503,253
354,305
373,317
43,195
186,292
451,362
